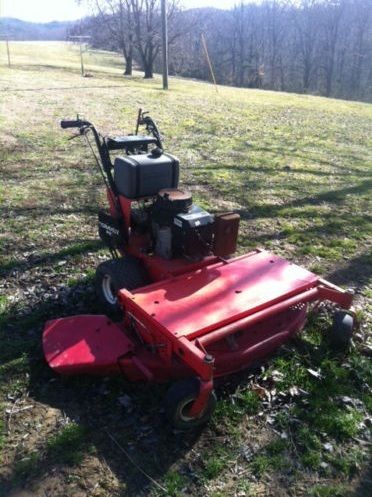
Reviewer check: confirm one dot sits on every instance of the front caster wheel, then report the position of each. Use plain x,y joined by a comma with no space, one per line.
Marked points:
341,331
178,402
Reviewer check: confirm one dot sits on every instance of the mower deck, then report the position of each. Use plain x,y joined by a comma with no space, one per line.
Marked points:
197,303
84,344
210,321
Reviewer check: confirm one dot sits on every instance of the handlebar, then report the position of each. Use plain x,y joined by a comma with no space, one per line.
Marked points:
77,123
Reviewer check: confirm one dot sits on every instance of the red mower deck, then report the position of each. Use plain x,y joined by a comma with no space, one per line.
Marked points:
197,303
237,310
84,344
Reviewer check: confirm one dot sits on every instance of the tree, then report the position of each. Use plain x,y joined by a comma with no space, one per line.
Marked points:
112,26
311,46
331,14
147,30
307,31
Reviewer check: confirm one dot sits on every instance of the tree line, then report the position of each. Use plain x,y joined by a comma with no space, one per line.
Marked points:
320,47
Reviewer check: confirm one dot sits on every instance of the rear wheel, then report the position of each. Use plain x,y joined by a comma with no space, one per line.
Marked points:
341,330
113,275
178,401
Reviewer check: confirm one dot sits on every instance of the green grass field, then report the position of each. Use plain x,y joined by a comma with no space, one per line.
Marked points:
298,170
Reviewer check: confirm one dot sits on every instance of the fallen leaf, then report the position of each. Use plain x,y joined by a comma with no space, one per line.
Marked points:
260,391
314,373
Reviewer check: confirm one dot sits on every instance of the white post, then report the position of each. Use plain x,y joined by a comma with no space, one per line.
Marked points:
81,58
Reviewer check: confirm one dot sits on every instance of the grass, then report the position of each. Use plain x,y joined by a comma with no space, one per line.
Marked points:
214,463
328,491
296,168
173,483
67,446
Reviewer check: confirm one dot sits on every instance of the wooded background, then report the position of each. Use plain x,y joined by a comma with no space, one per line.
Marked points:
321,47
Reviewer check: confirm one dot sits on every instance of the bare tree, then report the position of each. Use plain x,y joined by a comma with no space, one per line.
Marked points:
147,30
146,19
275,30
312,46
330,19
362,20
112,26
307,31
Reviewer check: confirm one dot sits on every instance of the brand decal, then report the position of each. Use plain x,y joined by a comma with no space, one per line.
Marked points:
109,229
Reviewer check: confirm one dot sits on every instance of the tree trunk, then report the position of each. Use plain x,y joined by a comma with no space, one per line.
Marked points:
306,75
128,57
148,70
148,62
128,66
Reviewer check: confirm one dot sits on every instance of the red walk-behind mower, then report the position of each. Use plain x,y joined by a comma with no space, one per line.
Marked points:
189,311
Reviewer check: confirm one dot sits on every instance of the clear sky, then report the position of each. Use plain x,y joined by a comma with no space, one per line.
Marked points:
65,10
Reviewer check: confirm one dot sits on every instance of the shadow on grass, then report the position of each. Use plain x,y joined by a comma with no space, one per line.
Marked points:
334,197
94,73
287,151
90,403
93,408
43,211
247,168
365,486
78,248
356,269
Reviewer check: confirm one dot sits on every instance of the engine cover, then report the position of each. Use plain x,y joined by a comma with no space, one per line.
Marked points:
179,228
192,233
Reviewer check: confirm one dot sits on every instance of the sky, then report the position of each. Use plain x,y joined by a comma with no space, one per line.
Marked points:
66,10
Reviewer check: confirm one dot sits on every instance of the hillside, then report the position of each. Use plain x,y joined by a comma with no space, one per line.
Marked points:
16,29
298,170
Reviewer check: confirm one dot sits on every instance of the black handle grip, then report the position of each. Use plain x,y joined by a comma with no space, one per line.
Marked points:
71,124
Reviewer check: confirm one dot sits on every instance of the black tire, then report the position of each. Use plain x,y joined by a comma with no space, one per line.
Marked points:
113,275
341,330
179,397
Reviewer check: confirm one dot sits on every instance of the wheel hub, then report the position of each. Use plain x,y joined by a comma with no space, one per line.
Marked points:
109,290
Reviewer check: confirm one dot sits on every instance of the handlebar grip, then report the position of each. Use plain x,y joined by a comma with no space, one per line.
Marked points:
71,124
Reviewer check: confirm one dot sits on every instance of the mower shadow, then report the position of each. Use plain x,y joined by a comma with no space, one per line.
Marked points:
139,426
357,269
365,486
109,411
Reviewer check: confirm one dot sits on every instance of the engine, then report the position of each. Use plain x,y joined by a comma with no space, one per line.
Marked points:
180,228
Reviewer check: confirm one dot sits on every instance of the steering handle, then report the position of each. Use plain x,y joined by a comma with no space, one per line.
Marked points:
77,123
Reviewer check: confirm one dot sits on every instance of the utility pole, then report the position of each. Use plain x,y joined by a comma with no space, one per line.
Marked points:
6,39
164,31
7,50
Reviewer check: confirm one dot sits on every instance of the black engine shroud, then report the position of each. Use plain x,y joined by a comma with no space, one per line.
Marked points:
180,228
